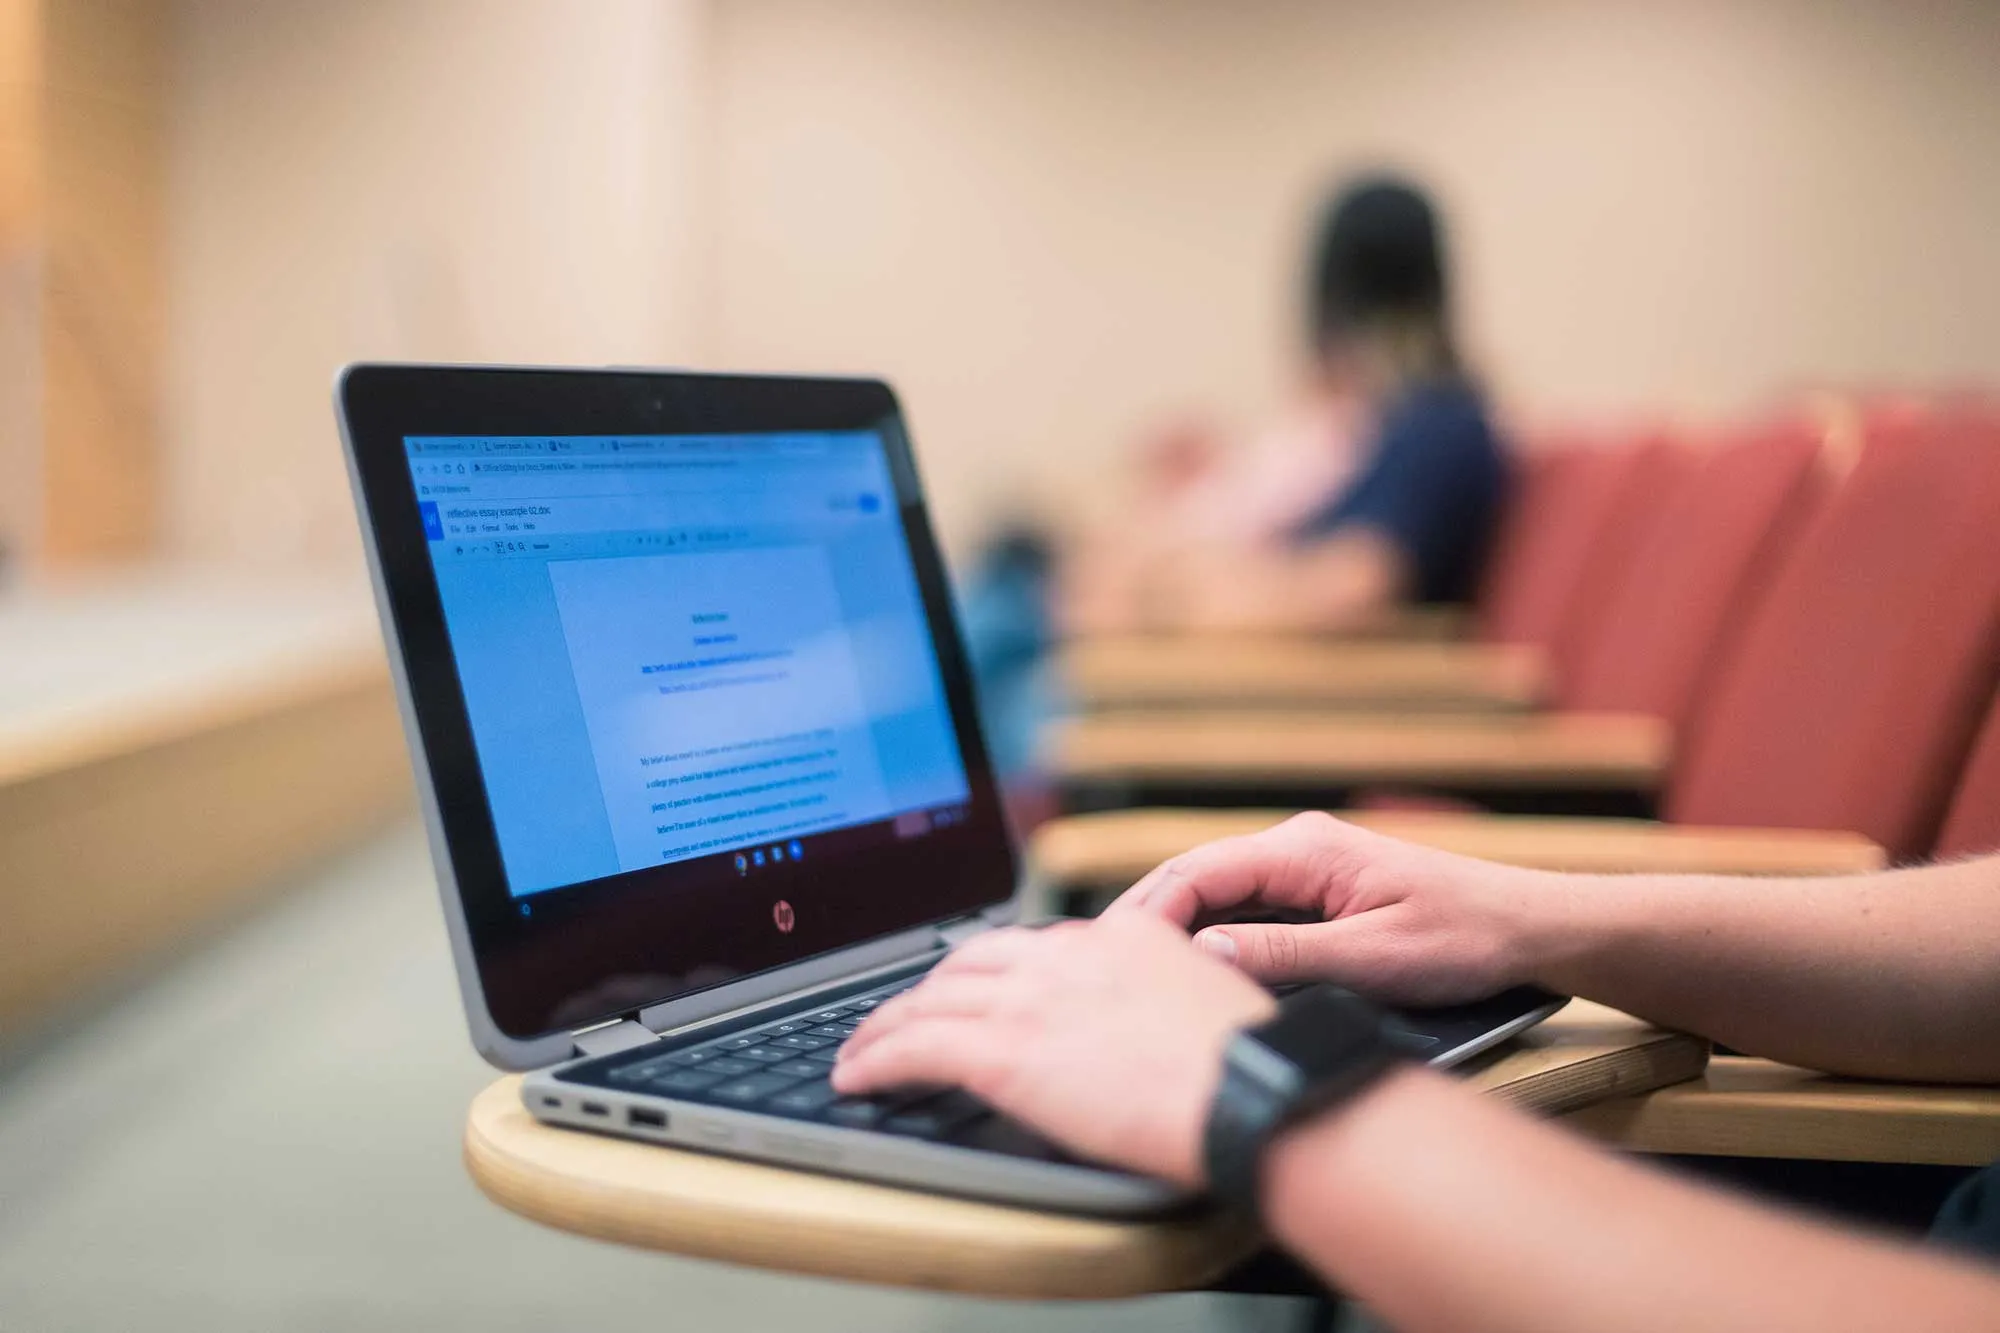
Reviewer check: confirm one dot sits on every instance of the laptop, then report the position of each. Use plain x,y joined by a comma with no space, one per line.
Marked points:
698,754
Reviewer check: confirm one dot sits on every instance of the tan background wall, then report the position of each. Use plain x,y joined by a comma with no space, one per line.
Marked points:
1050,222
84,107
500,180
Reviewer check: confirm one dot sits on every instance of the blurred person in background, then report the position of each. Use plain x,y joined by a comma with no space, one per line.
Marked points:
1379,486
1436,1206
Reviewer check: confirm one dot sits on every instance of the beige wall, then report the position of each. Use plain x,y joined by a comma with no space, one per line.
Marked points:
1049,221
497,180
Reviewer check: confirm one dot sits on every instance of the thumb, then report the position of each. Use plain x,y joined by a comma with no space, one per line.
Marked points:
1276,953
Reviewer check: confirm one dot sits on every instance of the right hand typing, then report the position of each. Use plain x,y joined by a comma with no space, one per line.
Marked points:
1396,921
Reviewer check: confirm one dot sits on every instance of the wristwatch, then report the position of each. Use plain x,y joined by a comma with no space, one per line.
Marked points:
1324,1046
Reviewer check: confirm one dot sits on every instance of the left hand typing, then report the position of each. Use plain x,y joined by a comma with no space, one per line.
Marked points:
1106,1036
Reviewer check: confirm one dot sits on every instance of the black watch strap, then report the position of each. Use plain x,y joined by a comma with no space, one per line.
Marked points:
1324,1046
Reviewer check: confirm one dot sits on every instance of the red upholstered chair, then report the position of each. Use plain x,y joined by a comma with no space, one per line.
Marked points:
1655,469
1972,826
1852,696
1568,501
1704,563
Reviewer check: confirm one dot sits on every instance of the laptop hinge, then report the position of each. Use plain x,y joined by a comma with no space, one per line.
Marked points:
610,1038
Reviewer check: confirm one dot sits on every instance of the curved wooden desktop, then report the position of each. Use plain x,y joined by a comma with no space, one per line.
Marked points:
770,1217
1275,747
1153,671
1110,850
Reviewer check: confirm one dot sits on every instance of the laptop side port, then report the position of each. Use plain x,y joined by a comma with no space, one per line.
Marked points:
645,1117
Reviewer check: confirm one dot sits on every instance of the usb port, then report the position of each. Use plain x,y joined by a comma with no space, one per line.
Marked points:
596,1108
640,1115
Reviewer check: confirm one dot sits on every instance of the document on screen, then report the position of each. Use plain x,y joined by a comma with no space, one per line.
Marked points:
721,697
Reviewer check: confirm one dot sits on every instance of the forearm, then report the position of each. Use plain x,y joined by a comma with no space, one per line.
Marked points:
1894,975
1444,1211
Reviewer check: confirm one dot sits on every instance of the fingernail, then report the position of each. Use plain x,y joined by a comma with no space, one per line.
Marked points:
1218,944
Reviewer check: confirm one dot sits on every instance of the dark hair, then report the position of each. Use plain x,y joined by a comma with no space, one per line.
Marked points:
1378,258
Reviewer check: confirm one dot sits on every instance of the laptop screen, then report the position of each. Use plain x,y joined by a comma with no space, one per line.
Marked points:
684,647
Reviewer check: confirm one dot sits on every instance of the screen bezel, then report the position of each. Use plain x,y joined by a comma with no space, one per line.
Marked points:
647,936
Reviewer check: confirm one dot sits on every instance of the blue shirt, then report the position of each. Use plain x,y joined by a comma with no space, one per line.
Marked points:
1434,488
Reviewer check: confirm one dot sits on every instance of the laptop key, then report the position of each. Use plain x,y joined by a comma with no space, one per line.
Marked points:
825,1057
857,1112
697,1057
806,1099
756,1088
799,1041
828,1015
730,1067
803,1068
764,1055
834,1031
685,1081
937,1116
739,1043
641,1070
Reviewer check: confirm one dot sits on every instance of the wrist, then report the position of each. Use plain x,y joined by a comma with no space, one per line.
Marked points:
1324,1046
1542,928
1335,1152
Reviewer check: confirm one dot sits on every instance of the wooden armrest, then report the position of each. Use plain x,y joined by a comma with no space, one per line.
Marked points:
1754,1108
749,1213
1250,748
1109,851
1268,673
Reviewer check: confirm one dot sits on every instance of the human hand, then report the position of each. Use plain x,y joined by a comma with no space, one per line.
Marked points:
1106,1036
1398,922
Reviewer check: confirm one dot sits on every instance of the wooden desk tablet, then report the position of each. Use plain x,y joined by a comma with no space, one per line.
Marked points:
1297,673
1258,747
1111,850
1742,1107
769,1217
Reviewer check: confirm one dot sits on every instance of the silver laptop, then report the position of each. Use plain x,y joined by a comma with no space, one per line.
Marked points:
698,753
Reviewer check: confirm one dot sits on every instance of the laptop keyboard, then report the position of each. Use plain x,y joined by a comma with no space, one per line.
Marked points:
782,1067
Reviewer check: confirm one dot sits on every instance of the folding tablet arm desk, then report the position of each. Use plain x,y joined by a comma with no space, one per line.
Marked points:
770,1217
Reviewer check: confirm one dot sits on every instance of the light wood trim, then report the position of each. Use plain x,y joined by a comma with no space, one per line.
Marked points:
105,118
118,837
768,1217
20,124
1753,1108
1613,751
1111,850
1276,673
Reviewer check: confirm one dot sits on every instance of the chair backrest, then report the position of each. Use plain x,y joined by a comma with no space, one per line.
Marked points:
1656,471
1565,499
1722,531
1851,698
1972,825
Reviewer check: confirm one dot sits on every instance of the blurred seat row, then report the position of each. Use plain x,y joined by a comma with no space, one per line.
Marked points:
1769,648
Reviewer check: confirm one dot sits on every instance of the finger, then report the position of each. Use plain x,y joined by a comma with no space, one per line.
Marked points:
1285,865
957,1052
968,996
1348,952
995,950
